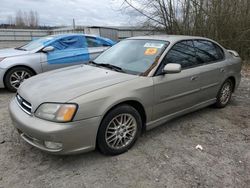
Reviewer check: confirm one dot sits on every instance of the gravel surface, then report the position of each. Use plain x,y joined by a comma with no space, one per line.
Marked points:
163,157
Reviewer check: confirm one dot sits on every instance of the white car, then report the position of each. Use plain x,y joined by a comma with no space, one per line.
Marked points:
48,53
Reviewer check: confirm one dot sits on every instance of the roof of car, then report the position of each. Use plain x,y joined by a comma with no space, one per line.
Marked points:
73,34
58,36
170,38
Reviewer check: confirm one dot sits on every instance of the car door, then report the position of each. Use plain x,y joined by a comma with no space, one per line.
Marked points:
96,46
212,71
68,51
179,91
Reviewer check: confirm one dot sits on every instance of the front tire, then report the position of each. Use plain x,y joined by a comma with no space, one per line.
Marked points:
119,130
15,76
225,94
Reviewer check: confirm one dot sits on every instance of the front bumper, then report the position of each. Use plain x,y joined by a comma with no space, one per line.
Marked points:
75,137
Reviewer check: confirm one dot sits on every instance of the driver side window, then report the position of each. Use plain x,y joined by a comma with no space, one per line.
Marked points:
68,43
182,53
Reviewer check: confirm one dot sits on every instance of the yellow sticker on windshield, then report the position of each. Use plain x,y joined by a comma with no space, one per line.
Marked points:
150,51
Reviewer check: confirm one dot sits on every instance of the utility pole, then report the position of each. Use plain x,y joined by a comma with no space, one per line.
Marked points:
74,24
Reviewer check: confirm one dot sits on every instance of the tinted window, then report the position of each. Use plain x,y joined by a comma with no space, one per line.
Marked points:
220,52
93,42
207,51
182,53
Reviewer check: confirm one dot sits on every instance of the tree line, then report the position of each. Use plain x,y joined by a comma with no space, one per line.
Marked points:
227,21
24,19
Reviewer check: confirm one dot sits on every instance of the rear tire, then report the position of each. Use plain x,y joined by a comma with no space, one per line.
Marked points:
225,94
119,130
15,76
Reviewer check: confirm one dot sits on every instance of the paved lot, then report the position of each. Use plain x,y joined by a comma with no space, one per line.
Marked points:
163,157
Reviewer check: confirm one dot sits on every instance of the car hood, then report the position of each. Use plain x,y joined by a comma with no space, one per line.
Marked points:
10,52
68,83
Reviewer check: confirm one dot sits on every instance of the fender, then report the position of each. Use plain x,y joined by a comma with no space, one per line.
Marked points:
29,60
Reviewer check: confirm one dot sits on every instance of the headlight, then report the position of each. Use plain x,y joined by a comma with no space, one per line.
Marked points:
56,112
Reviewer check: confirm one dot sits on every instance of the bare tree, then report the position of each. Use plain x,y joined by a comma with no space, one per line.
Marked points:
32,19
10,20
25,19
225,20
19,19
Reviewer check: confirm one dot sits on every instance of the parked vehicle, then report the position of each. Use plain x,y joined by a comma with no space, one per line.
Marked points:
135,85
47,53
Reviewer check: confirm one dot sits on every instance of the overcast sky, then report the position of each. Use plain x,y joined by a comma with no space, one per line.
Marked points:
62,12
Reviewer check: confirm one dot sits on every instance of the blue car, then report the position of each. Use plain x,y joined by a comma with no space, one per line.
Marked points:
48,53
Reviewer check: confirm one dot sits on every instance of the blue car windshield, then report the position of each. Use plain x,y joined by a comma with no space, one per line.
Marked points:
134,56
35,44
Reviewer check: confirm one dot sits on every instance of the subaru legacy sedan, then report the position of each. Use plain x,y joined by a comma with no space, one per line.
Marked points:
48,53
136,85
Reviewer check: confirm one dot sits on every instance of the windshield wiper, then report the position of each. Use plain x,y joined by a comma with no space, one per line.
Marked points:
110,66
18,48
92,62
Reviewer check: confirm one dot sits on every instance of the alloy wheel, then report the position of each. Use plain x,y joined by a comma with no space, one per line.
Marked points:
121,131
226,92
17,77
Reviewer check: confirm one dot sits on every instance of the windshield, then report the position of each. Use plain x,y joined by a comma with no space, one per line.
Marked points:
35,44
133,56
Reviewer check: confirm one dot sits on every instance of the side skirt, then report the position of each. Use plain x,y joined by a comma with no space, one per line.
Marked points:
164,119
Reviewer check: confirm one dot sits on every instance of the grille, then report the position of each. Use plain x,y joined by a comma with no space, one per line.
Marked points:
23,104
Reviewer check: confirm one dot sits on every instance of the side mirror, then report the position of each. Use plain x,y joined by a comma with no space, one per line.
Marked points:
172,68
48,49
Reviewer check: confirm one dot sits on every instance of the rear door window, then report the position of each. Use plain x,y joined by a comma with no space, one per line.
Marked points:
207,51
93,42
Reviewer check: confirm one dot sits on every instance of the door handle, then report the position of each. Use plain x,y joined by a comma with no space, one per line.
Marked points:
222,70
194,78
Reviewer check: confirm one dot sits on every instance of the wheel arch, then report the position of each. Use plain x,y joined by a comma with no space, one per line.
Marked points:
135,104
232,78
10,68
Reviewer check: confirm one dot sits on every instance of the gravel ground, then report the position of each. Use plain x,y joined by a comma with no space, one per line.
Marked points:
163,157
